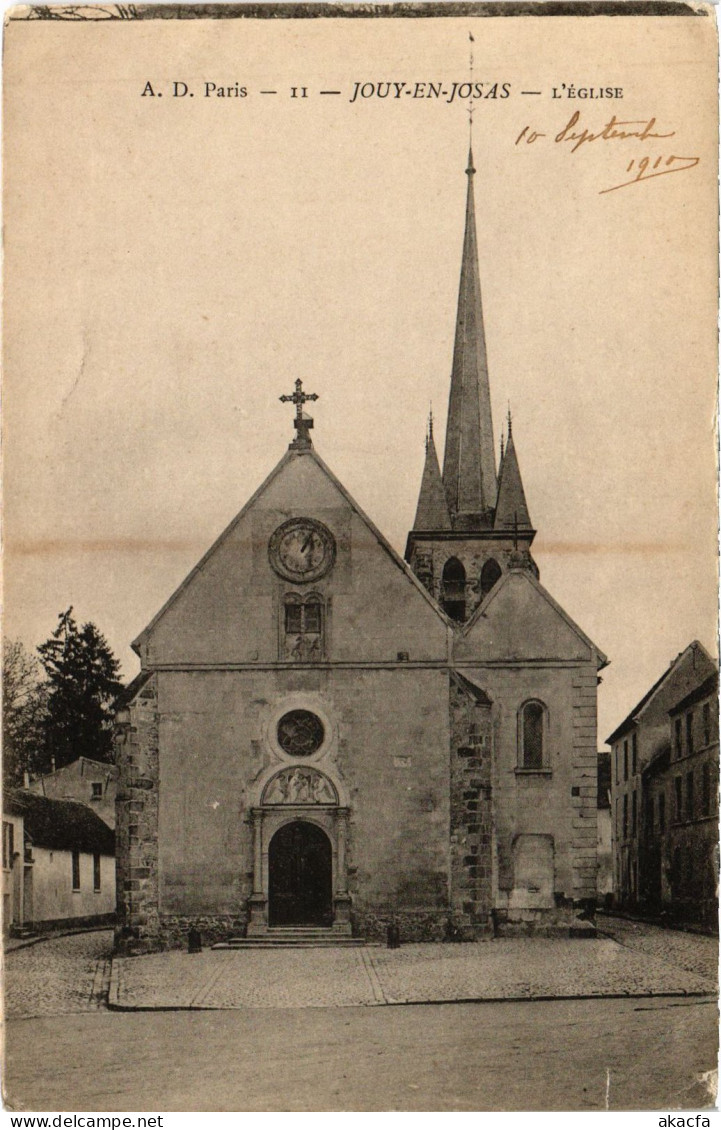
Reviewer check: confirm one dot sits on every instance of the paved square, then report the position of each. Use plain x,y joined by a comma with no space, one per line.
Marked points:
638,960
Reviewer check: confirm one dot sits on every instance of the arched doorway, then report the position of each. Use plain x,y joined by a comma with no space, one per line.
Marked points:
300,876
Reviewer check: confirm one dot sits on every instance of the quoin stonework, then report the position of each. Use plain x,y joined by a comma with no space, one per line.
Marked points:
324,735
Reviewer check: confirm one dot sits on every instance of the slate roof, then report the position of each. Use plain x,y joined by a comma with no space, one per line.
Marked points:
60,825
473,689
469,465
129,692
511,507
659,760
432,510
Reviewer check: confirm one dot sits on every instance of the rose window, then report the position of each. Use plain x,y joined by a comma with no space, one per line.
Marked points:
300,733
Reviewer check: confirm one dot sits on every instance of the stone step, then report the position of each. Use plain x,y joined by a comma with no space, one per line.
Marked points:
269,942
292,936
302,931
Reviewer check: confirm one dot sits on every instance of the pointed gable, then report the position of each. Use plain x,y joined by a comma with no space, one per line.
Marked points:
229,608
469,465
690,666
432,510
511,507
520,621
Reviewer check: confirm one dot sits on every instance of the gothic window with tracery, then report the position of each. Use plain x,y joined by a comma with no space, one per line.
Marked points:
302,627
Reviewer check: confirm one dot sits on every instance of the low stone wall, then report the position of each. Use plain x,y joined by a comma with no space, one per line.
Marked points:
174,930
212,928
413,926
50,925
561,921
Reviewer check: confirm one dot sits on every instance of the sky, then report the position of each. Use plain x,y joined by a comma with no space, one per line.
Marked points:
174,264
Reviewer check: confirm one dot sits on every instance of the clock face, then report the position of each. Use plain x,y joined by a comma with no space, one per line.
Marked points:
302,550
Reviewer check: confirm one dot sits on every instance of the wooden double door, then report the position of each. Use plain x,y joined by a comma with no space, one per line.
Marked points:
300,876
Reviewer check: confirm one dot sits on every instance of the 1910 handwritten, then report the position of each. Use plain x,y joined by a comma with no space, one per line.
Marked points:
576,134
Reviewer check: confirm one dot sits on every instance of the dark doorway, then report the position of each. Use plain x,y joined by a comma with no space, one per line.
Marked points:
300,873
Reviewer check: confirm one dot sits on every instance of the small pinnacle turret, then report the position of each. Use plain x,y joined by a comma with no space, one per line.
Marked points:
432,510
511,508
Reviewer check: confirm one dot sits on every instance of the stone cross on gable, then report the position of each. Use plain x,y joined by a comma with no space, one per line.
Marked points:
302,422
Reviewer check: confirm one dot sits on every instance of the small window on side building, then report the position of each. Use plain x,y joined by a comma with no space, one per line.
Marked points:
689,732
678,785
706,714
625,760
76,870
96,872
8,844
706,789
689,796
97,790
634,753
662,812
678,741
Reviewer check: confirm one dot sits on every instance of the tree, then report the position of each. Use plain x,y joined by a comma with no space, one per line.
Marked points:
24,707
82,687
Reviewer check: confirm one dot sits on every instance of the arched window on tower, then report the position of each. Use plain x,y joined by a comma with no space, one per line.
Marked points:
302,628
490,573
531,734
453,591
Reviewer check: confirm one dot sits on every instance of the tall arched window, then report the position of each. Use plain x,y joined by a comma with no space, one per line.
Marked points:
453,592
531,734
490,573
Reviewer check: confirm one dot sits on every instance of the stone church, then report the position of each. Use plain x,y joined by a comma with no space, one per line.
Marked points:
325,736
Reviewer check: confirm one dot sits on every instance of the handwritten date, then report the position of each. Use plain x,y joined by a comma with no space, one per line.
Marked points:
575,134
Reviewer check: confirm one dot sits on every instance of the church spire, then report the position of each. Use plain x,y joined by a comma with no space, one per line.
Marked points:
511,507
432,511
469,467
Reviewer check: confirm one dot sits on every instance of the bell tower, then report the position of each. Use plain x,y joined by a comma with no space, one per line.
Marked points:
471,524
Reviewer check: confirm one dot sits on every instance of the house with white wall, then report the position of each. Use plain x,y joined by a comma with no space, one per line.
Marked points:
58,863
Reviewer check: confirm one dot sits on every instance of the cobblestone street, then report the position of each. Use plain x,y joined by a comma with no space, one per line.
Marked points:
59,976
637,960
72,974
695,953
648,1053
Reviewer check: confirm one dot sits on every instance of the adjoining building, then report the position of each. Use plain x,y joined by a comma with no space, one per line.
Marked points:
58,864
665,794
680,849
323,734
87,781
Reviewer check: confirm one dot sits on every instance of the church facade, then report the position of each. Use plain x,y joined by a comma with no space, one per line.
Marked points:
326,735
